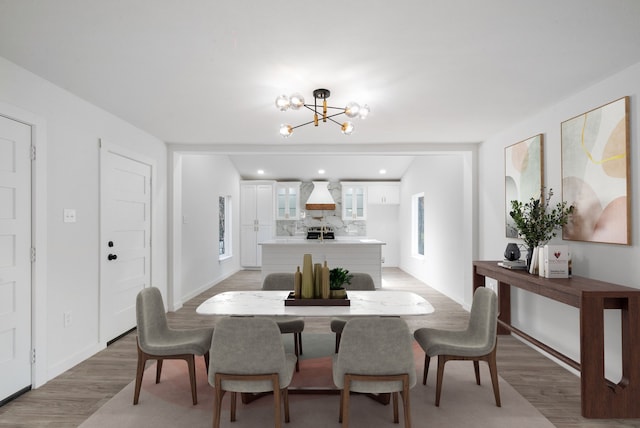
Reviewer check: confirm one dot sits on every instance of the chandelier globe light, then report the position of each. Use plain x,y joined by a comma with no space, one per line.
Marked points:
320,111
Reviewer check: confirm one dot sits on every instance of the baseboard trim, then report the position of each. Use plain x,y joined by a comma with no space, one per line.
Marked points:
205,287
61,367
15,395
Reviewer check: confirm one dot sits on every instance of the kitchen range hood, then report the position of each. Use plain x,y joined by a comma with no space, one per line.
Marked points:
320,198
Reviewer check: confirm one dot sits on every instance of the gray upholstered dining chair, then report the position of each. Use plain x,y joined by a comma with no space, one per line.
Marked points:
293,325
360,281
156,341
376,356
247,356
476,343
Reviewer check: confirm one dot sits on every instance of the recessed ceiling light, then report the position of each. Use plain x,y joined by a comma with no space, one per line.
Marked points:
261,171
383,171
321,171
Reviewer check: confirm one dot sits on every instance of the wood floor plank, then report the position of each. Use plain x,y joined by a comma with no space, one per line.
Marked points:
72,397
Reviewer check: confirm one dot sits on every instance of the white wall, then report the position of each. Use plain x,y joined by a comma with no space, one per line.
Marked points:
204,179
553,323
382,224
73,129
446,181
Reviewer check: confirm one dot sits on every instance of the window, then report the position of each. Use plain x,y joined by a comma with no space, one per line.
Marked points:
417,225
224,227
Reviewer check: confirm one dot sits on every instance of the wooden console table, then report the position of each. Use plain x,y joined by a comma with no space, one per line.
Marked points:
600,397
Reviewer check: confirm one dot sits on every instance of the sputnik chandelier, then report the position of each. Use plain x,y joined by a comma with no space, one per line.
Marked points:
295,101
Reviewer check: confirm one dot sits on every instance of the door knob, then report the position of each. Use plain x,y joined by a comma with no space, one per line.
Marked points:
112,257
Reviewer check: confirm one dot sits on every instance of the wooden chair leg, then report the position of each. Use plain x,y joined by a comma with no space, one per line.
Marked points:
392,396
476,369
296,350
406,403
441,361
217,401
234,401
493,370
143,357
191,363
158,369
300,342
285,398
427,360
345,401
276,400
396,419
142,361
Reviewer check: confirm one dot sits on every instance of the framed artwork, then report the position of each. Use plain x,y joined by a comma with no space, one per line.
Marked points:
523,172
595,174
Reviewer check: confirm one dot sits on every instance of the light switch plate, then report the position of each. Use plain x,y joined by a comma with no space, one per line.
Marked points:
69,215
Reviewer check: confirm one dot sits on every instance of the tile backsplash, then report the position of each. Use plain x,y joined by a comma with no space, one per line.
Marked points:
328,218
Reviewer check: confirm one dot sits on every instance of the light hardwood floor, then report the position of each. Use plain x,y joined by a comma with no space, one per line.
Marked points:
72,397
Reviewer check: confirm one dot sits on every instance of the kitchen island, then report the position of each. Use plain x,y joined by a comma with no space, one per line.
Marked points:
355,254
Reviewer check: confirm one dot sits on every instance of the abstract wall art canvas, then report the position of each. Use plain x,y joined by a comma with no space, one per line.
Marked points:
595,174
523,172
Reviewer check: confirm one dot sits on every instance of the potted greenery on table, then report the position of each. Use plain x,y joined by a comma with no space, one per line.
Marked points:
536,221
338,278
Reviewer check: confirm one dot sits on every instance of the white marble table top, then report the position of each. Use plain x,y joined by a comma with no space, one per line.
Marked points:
379,302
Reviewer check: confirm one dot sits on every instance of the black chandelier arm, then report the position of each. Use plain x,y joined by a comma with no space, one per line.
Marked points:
303,124
311,107
334,115
328,117
319,113
337,123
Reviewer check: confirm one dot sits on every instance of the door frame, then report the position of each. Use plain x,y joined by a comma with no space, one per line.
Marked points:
174,242
106,145
38,239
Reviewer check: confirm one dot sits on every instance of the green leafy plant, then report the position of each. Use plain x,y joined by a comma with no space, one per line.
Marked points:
536,221
338,277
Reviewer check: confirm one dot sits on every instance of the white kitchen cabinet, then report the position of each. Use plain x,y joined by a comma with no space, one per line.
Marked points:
256,220
383,193
354,201
288,200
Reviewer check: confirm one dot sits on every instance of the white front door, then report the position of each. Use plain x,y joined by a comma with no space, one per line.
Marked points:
125,238
15,256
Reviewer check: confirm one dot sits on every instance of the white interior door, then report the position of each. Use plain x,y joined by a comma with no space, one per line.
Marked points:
15,256
265,214
125,239
248,225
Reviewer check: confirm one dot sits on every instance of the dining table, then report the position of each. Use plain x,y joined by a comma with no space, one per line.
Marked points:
272,303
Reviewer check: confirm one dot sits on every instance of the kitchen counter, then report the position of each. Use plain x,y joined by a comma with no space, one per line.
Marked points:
357,254
339,240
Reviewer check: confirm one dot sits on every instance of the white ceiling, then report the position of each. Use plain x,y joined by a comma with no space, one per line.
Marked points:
206,72
305,168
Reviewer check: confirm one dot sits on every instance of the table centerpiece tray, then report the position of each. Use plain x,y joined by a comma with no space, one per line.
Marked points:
292,301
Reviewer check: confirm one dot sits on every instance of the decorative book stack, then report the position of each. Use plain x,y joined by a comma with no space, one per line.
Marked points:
513,264
556,261
551,261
